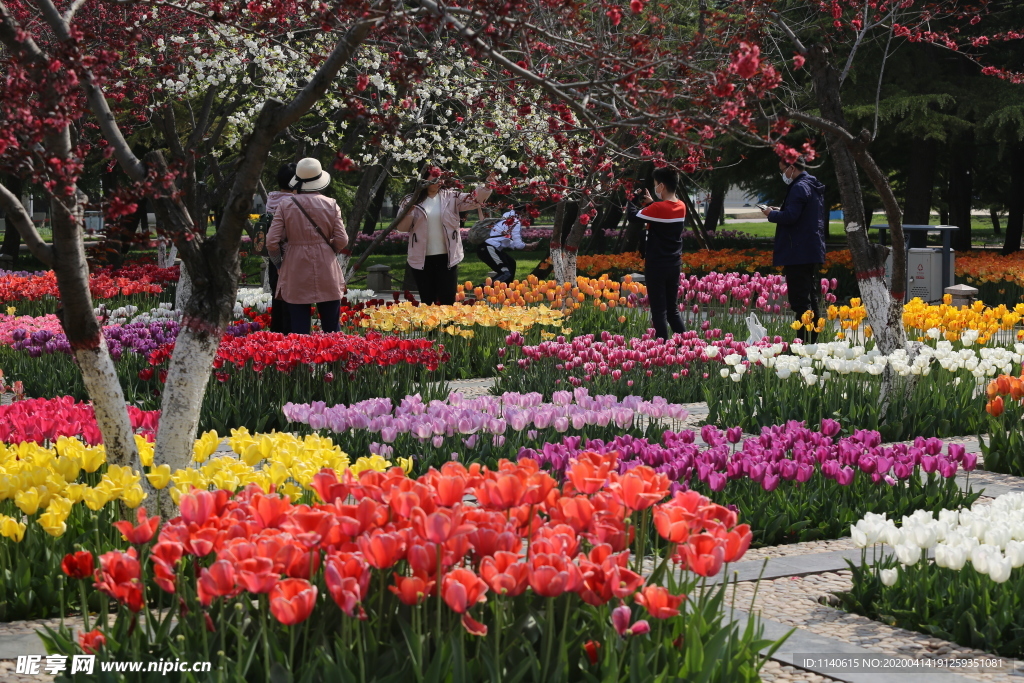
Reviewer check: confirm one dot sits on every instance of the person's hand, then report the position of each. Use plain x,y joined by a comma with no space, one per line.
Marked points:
533,245
768,209
646,198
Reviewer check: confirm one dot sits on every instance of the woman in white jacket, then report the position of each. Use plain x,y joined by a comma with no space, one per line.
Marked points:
435,242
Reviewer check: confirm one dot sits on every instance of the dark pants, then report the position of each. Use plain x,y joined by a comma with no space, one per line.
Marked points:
500,261
436,282
280,317
330,316
663,297
803,295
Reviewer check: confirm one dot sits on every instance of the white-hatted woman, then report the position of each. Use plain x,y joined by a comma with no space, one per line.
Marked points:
310,226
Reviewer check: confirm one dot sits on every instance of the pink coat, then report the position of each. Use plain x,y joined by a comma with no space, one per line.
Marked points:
309,272
453,202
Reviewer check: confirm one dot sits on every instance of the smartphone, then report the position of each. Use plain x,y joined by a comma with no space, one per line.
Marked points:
763,207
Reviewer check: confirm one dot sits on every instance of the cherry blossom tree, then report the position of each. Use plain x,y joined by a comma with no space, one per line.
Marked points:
609,84
815,46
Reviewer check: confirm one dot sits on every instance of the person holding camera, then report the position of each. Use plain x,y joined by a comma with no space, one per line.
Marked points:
435,242
310,226
666,220
506,234
799,237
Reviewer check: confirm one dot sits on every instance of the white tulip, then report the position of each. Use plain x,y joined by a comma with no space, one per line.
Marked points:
733,359
949,517
955,557
888,576
997,536
980,557
724,372
908,554
892,536
1015,553
860,539
999,568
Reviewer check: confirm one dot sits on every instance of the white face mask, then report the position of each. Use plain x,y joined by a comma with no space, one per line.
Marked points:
786,179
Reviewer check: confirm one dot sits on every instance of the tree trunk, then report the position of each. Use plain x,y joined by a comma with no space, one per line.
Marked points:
961,189
993,213
609,219
716,205
917,205
572,244
11,248
1015,202
83,329
373,212
885,309
565,215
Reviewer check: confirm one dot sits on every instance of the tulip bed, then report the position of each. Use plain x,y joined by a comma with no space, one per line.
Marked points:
481,430
934,393
402,578
54,498
790,484
973,591
254,371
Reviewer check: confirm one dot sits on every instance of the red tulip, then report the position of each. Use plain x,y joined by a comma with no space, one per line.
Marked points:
216,581
551,575
659,603
141,534
382,550
737,542
461,589
326,485
412,590
91,642
78,565
640,488
592,648
292,601
703,554
256,574
119,577
505,574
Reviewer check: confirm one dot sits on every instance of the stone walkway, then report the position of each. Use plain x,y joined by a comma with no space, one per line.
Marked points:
795,593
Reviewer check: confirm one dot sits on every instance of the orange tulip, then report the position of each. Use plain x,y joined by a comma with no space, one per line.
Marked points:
1016,388
382,550
589,472
659,603
640,488
995,406
737,542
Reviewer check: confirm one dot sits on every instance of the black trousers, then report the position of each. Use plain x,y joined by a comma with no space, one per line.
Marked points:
436,282
500,261
663,298
280,316
803,295
330,316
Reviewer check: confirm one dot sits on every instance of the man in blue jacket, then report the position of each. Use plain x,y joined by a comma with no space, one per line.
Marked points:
800,238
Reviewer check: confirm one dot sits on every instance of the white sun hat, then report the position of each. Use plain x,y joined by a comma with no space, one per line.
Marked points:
310,176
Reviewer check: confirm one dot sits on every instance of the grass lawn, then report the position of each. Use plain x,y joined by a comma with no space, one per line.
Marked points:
472,268
981,231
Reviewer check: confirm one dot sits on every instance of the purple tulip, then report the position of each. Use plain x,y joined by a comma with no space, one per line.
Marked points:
830,427
929,463
771,481
970,461
845,476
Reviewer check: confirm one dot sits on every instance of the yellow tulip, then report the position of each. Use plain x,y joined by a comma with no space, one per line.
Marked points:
53,523
159,477
95,498
12,528
92,458
28,500
133,496
68,468
146,450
